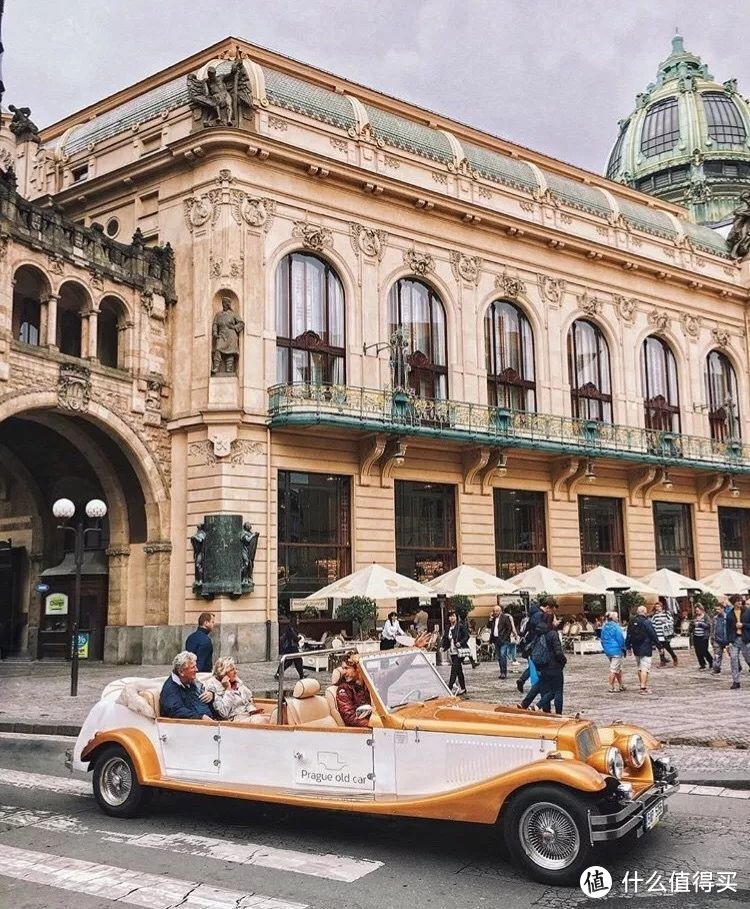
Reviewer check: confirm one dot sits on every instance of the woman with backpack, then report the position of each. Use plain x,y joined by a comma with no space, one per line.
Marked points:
549,659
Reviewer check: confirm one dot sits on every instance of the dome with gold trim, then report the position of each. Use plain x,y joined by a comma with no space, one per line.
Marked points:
687,141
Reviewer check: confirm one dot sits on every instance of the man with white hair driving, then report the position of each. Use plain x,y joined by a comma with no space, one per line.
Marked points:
182,697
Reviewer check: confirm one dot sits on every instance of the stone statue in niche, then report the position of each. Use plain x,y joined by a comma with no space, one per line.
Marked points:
739,236
221,99
227,328
198,541
249,539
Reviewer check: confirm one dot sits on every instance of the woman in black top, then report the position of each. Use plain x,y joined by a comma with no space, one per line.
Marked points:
701,628
456,641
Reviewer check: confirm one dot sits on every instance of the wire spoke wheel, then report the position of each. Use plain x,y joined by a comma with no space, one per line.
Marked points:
549,836
115,781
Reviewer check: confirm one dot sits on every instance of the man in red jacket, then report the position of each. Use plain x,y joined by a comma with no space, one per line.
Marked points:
352,693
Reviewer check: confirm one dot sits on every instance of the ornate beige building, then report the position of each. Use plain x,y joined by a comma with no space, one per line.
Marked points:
454,349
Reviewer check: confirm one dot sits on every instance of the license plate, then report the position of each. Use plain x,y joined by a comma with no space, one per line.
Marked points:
653,815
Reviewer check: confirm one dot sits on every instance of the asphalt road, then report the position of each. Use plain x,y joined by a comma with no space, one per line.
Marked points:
58,850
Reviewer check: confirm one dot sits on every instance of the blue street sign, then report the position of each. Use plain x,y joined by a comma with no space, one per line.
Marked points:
42,588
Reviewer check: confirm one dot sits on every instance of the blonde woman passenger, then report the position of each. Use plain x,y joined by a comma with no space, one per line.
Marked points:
233,700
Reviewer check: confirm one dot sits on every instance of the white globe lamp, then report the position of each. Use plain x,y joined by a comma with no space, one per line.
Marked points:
63,509
95,509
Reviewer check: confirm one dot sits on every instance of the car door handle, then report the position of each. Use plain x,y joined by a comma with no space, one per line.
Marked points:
298,756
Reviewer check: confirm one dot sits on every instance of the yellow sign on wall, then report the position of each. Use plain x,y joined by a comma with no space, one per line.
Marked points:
56,604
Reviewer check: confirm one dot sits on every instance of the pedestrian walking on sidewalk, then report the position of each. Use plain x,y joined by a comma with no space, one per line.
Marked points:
641,640
501,628
544,621
664,628
719,635
200,643
613,645
528,633
456,642
737,619
549,659
700,629
289,643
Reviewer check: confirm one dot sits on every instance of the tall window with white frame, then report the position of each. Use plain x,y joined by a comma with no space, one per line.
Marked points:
509,357
310,322
723,401
661,393
419,311
590,376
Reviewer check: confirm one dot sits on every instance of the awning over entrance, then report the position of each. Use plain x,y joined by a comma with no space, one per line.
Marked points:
94,562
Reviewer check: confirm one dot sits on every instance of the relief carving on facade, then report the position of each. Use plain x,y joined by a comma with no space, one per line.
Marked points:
659,319
199,210
313,236
152,402
74,387
368,240
235,268
508,286
339,144
590,306
721,336
551,289
691,326
250,210
466,268
238,452
420,263
625,307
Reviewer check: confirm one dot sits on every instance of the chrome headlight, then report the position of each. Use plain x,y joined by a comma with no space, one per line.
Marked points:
615,763
636,751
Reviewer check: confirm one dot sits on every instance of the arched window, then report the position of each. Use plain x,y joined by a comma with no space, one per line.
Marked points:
419,311
615,158
108,334
723,120
723,401
74,303
30,288
310,345
661,128
509,357
661,395
590,380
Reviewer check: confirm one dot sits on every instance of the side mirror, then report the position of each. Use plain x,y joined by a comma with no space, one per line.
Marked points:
364,710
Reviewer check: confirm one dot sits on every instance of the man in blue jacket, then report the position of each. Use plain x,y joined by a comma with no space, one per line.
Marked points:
613,645
199,642
182,697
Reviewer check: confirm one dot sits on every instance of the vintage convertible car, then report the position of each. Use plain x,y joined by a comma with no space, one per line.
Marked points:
557,787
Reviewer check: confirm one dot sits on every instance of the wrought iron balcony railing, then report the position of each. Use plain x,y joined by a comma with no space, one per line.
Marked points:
375,410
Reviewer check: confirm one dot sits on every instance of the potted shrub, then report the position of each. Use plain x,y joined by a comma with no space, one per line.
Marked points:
462,606
362,612
630,601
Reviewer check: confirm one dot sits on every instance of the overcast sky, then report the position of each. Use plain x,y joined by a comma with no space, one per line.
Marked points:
555,75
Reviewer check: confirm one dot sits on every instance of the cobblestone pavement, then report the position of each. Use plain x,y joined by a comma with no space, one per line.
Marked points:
686,706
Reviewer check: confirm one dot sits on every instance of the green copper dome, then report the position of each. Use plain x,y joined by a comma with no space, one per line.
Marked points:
687,141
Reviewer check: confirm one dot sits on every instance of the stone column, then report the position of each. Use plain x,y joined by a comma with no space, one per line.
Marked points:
117,611
93,335
51,322
157,582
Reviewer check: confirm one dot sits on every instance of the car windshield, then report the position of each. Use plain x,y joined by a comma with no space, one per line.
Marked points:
404,678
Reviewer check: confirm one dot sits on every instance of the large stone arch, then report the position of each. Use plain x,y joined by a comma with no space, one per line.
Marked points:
139,456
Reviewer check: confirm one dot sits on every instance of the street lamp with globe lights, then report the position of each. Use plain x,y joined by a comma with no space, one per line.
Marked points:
64,510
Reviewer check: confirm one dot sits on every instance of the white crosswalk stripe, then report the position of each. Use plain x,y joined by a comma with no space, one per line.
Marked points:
44,781
134,888
329,866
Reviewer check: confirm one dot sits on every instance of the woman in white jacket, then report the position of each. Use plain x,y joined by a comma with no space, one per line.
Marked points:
233,700
391,630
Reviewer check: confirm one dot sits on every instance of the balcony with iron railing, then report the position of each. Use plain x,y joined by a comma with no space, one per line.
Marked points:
399,413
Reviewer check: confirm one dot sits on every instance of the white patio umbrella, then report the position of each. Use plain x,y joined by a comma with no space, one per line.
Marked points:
470,582
604,578
541,579
375,582
668,583
728,581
